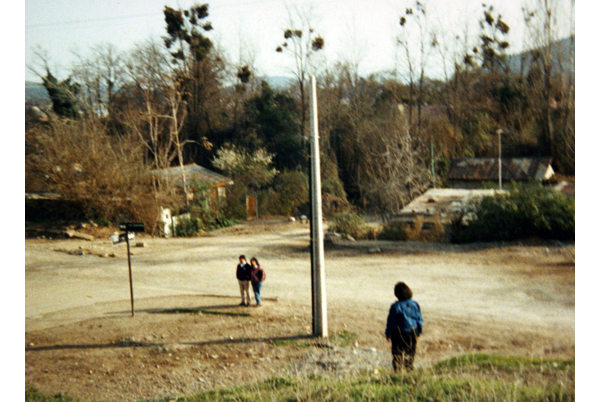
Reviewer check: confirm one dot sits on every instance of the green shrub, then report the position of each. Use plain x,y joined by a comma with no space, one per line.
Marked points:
205,214
289,191
351,224
333,205
235,204
418,230
292,188
526,211
188,227
333,185
393,230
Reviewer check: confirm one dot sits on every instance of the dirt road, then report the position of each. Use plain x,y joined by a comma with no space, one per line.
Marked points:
499,298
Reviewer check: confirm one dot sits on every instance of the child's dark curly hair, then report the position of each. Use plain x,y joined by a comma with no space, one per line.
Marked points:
402,291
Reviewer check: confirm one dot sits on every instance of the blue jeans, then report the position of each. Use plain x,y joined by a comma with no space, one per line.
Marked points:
256,287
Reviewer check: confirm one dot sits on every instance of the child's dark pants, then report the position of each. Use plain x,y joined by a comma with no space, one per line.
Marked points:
404,347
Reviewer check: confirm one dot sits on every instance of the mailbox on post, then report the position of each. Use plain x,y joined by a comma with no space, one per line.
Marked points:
132,226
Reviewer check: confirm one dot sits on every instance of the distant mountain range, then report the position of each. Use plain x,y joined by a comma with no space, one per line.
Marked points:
36,94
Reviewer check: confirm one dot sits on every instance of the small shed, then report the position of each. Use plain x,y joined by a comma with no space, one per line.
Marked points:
471,173
195,174
445,203
438,207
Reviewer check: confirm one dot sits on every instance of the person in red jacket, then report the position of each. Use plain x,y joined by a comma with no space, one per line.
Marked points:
257,277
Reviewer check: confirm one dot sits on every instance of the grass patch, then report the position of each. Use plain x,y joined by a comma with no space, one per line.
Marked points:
344,338
416,386
341,339
33,395
301,340
485,362
468,378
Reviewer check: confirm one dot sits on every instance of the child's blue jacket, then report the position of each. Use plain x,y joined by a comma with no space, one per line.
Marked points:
406,315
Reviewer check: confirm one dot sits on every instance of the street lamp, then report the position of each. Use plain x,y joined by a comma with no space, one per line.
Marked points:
499,132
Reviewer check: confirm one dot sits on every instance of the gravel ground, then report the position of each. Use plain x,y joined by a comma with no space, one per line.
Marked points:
189,334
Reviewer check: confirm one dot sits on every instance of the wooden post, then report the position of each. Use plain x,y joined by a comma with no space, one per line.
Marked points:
316,235
131,227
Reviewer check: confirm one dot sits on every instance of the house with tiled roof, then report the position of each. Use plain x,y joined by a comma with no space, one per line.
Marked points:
472,173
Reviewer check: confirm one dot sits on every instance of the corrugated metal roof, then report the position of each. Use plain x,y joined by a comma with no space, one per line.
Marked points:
486,169
194,171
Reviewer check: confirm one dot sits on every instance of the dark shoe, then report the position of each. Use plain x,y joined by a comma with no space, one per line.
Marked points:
242,304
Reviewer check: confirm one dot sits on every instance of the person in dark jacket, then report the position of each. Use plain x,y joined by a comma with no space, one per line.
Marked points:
243,276
404,325
257,277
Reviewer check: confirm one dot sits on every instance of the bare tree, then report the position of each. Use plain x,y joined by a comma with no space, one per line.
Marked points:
101,75
82,163
394,171
302,43
414,29
146,101
177,119
244,75
554,76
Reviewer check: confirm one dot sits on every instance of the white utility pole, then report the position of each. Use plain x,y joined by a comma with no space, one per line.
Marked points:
316,234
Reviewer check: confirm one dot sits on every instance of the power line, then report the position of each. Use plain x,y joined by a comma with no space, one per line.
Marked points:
51,24
74,22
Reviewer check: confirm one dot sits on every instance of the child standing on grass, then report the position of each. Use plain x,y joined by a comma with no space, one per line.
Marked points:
257,277
243,276
404,325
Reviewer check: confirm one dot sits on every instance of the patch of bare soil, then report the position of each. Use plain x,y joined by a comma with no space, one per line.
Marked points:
175,345
189,334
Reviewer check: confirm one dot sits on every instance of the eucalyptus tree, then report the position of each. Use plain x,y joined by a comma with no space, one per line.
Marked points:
197,70
63,95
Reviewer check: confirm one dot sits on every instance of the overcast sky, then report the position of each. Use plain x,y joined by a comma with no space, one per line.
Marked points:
64,27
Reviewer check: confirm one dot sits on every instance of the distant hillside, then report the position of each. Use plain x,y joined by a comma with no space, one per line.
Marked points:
36,94
561,52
